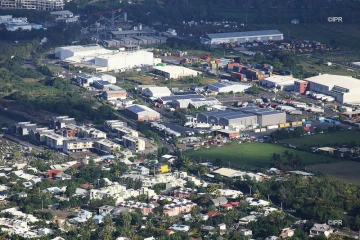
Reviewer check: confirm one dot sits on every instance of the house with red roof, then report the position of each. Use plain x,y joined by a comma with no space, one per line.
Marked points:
213,213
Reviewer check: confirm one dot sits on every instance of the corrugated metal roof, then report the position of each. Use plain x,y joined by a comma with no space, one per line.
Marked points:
243,34
135,109
181,97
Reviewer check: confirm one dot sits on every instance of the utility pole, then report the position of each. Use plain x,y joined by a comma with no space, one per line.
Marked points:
268,198
281,206
250,190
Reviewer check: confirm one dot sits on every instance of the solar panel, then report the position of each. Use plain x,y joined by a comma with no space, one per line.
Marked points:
136,109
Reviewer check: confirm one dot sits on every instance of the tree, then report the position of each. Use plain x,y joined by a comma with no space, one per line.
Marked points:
17,155
125,220
107,229
218,162
259,57
254,90
70,189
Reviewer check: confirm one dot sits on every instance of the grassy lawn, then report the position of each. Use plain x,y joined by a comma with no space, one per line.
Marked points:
326,138
345,35
347,171
253,155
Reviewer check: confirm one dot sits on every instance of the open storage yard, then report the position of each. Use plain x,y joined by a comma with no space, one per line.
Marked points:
347,171
324,139
254,155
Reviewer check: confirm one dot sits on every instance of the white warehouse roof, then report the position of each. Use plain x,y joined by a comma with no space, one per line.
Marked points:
177,71
336,80
278,79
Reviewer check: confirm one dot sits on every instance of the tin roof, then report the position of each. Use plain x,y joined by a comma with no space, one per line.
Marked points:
244,34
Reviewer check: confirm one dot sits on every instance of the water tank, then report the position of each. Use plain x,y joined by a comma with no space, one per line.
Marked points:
125,16
97,25
140,27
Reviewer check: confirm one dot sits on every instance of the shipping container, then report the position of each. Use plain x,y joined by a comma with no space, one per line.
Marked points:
282,125
298,123
273,127
263,129
307,129
257,130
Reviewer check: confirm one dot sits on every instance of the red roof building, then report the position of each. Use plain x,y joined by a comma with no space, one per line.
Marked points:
52,173
213,213
227,206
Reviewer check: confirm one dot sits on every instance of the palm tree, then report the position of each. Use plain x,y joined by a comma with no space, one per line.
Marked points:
217,193
73,171
117,173
211,188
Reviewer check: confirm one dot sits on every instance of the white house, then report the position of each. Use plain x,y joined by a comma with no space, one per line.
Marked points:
319,229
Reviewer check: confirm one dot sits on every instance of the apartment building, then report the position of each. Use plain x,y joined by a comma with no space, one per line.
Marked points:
134,143
90,132
177,208
78,145
122,131
46,5
54,140
111,125
106,146
23,128
61,122
143,207
39,134
119,193
184,192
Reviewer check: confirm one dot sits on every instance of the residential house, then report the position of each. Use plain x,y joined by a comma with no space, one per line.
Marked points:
219,201
271,238
222,226
162,168
256,202
319,229
82,216
245,220
245,232
3,195
213,213
226,206
45,231
106,209
52,174
182,228
287,232
207,228
98,219
143,170
62,177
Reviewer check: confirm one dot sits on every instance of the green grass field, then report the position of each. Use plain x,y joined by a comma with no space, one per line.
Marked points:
345,35
326,139
347,171
253,155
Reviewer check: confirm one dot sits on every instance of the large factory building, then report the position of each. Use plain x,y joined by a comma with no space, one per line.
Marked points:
227,118
245,117
265,117
242,37
344,89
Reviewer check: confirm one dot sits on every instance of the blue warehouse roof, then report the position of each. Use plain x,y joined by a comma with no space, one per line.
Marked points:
244,34
135,109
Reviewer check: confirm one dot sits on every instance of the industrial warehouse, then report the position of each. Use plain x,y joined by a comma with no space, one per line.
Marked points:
103,60
228,86
344,89
243,37
243,117
280,82
175,72
141,113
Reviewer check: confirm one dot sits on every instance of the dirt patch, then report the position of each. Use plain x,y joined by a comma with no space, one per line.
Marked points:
347,171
